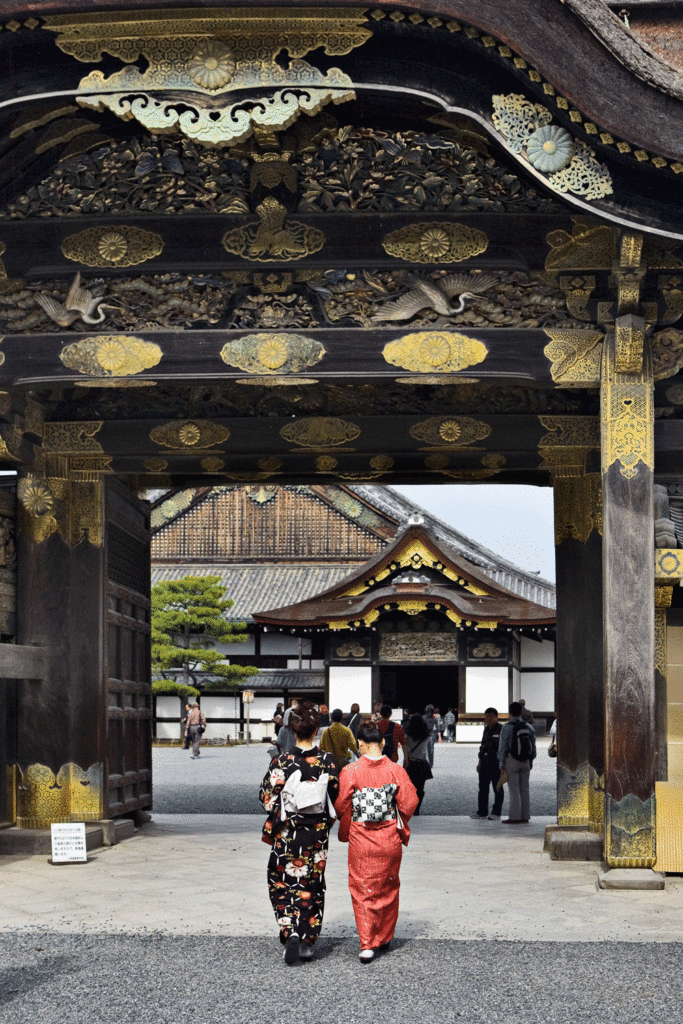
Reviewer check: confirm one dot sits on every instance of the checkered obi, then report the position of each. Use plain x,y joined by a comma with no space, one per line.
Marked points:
371,804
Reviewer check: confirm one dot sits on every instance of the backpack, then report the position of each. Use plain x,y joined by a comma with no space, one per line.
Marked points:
521,747
389,740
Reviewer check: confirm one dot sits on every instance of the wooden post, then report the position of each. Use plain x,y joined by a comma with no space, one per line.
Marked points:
578,670
626,421
60,607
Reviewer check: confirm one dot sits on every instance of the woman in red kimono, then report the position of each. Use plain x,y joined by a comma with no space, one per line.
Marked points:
376,801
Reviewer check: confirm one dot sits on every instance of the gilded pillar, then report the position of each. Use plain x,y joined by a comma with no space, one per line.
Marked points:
628,579
60,752
579,686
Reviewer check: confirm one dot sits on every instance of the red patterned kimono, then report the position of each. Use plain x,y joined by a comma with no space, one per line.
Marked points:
374,848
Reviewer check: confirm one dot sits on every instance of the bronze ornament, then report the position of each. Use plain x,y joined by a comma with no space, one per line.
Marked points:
427,351
118,246
436,243
450,433
272,353
567,164
667,353
72,507
189,435
111,355
275,238
155,465
320,432
216,53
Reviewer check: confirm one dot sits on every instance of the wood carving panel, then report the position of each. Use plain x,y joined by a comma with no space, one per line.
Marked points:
418,647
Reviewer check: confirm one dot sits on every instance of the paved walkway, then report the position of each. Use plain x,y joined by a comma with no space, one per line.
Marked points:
205,874
225,780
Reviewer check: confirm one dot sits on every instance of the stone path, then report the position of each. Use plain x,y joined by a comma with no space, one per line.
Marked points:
225,780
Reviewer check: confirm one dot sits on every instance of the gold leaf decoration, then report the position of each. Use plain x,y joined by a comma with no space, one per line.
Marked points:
155,465
575,357
111,355
320,432
120,246
212,464
435,243
189,434
426,351
325,464
449,432
272,353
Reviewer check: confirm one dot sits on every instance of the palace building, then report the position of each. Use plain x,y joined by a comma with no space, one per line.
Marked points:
351,593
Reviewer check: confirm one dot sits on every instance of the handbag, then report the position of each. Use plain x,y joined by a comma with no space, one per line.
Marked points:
374,804
552,749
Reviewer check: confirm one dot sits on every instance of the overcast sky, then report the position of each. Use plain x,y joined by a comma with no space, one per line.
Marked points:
512,520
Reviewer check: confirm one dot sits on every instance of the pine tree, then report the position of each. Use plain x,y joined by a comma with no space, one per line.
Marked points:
187,621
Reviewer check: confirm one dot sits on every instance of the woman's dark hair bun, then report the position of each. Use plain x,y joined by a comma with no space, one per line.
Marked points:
369,733
304,721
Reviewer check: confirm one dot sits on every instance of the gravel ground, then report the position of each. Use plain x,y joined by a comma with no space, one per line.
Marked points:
72,979
225,780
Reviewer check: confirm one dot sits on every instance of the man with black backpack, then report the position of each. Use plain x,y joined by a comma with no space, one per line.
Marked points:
516,754
394,736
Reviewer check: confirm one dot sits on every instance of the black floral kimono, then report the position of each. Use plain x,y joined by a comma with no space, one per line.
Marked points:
296,867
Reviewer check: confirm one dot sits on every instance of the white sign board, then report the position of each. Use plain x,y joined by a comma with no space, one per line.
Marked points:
248,697
68,842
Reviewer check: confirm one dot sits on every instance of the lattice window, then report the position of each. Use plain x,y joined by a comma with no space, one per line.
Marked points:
128,560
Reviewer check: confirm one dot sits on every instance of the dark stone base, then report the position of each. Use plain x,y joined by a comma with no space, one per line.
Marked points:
35,841
550,830
577,844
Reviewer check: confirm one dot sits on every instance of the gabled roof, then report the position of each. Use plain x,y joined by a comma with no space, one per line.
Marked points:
454,586
505,573
257,584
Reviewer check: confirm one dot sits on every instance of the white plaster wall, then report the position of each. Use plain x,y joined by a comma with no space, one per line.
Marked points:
486,686
535,655
169,707
538,690
284,643
167,731
350,684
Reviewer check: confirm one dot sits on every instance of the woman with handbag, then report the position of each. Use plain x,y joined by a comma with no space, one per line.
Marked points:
376,801
417,766
298,793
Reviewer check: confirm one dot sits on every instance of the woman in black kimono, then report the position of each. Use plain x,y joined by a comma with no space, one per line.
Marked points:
297,828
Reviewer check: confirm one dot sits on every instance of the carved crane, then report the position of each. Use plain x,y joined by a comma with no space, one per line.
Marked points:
436,295
80,304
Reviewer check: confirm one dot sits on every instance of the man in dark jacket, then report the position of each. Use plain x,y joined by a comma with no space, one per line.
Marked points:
489,769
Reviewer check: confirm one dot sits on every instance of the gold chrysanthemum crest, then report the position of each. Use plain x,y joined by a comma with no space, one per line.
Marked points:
189,435
429,351
120,246
274,353
435,243
111,355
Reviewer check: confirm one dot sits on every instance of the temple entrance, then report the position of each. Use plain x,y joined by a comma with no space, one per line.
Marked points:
412,687
243,269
